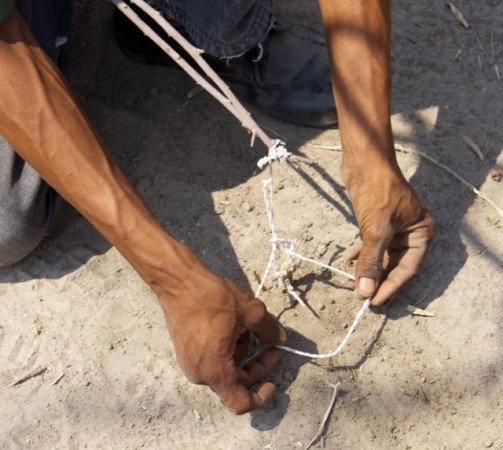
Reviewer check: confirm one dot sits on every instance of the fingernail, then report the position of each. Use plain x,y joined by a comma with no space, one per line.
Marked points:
366,286
282,334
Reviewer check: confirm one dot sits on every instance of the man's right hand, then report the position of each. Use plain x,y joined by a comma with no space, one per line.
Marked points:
210,319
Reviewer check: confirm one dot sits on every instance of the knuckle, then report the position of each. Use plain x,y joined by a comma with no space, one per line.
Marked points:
239,405
241,409
258,311
375,234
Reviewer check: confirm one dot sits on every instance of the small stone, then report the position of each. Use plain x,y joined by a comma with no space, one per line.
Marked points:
288,376
488,444
247,207
496,175
322,249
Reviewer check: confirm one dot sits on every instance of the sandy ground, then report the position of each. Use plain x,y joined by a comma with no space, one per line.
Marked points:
75,315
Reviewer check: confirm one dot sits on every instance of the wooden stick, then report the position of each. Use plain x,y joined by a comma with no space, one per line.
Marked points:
321,429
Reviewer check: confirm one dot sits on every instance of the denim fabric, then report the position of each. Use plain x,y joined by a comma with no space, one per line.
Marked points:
51,22
224,28
26,201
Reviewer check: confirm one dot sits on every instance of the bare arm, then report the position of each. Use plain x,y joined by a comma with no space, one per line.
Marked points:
209,317
396,228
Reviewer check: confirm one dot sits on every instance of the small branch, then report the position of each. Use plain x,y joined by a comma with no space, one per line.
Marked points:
458,15
473,146
321,429
57,380
34,373
291,292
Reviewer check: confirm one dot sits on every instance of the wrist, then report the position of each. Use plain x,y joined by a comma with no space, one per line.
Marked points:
163,263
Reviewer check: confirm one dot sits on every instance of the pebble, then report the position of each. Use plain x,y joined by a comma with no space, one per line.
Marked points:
288,376
488,444
247,207
322,249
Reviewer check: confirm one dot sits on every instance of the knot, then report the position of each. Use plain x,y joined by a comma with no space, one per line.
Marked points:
277,152
287,246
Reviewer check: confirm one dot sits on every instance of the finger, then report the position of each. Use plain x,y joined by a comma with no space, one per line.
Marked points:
408,266
257,369
353,251
369,265
257,319
241,400
242,344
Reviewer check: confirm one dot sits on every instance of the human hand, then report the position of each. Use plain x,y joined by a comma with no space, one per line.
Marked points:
396,230
210,319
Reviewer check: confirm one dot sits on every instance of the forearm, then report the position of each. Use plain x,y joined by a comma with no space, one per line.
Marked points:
358,36
41,120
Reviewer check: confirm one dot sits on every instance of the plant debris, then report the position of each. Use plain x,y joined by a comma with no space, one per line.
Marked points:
458,15
476,149
415,311
34,373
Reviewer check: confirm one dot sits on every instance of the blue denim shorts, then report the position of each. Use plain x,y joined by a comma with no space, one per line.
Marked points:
224,28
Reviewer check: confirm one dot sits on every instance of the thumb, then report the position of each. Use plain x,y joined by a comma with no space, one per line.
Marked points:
369,266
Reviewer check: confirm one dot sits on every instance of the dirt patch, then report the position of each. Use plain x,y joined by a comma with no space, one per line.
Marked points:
76,309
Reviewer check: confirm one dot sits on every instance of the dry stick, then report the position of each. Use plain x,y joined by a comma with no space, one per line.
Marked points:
227,99
291,291
325,417
32,374
403,149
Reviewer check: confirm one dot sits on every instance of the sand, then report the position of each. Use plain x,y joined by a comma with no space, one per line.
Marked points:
86,340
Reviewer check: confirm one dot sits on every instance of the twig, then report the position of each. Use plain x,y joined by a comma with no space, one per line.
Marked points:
415,311
34,373
473,146
291,291
458,15
465,183
57,380
321,429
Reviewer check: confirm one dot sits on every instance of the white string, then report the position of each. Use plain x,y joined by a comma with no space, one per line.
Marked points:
277,152
321,264
341,345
